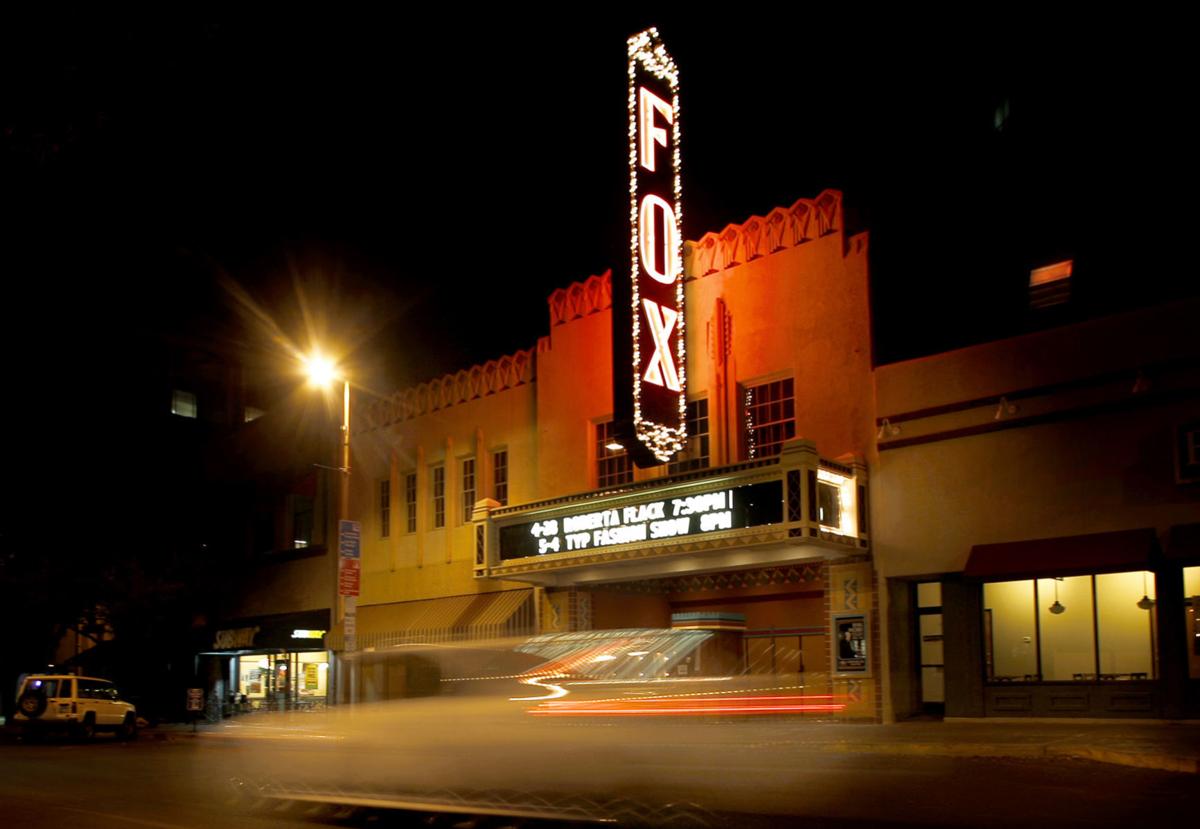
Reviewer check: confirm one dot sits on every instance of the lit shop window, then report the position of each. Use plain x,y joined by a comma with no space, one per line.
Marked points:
1191,602
439,497
1081,628
468,488
613,467
500,476
385,509
410,502
183,403
695,453
770,417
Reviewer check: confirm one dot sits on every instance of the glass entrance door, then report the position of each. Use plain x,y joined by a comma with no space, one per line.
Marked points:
929,647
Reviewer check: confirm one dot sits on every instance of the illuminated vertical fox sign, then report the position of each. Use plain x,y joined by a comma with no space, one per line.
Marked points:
654,325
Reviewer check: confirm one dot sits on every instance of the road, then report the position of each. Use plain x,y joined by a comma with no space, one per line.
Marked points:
182,784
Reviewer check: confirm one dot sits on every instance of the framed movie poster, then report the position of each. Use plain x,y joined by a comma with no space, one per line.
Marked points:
850,638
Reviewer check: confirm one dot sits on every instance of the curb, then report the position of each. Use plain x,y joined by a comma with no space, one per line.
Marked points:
1026,751
1159,762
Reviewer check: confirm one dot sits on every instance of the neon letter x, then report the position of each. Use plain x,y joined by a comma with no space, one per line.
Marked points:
661,370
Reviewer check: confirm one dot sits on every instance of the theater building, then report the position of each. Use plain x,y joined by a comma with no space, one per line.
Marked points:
498,501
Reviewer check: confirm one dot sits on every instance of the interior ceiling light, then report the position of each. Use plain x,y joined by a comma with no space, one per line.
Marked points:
1145,603
1057,607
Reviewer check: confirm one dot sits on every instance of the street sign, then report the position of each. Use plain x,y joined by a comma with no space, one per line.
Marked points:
195,699
349,576
349,539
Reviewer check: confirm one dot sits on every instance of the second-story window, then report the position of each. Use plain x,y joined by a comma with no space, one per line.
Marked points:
500,476
183,403
770,417
439,497
468,488
302,521
695,454
613,466
410,502
385,508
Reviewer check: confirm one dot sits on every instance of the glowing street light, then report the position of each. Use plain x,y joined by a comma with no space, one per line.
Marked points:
323,372
320,369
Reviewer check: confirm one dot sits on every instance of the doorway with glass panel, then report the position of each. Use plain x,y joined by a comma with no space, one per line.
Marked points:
929,647
803,655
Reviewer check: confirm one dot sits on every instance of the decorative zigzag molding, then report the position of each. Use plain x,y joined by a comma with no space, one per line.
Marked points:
478,381
760,236
581,298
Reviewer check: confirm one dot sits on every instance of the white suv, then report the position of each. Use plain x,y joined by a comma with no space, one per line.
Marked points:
82,705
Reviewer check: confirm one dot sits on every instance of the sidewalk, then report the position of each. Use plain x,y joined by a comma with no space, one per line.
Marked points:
1150,744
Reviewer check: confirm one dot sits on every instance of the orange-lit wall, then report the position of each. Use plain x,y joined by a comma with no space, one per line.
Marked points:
437,562
613,609
791,305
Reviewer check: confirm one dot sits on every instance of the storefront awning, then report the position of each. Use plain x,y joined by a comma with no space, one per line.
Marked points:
1069,555
453,618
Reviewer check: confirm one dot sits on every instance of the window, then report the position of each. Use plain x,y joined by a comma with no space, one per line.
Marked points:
183,403
500,476
439,497
302,521
410,502
385,509
1191,609
613,467
1050,285
1080,628
695,454
770,417
468,488
829,506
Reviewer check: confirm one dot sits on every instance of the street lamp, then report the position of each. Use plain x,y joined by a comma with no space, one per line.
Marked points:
322,372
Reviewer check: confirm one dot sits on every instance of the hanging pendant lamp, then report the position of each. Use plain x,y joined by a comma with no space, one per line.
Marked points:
1145,603
1057,607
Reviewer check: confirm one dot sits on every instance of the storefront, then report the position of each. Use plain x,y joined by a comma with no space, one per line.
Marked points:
1035,523
1097,625
277,662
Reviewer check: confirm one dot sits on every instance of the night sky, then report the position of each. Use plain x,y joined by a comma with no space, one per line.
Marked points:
415,191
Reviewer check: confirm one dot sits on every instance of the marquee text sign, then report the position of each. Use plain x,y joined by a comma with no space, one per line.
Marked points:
661,520
654,399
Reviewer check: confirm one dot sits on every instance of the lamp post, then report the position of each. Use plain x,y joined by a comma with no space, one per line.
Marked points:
322,372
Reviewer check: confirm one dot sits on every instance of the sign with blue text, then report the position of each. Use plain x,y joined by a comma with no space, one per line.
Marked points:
349,539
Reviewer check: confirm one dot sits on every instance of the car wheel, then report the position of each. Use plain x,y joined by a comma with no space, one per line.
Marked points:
32,703
128,728
87,729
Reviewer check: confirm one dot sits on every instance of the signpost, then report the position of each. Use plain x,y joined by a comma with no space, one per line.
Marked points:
649,360
195,704
349,578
